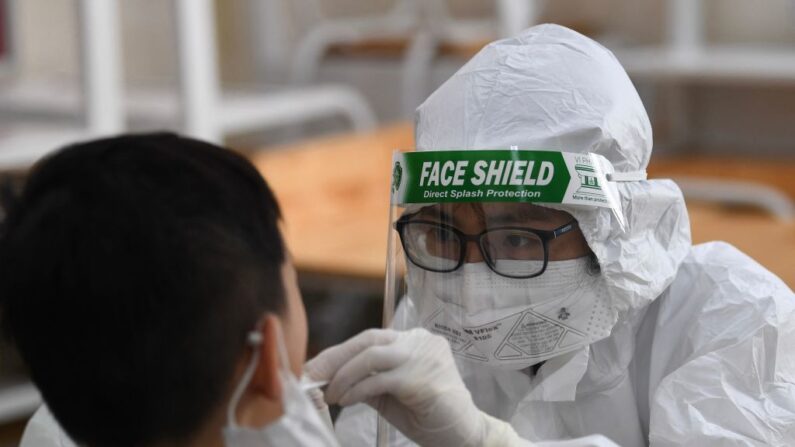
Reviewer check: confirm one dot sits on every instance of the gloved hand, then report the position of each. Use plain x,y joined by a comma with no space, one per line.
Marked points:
411,379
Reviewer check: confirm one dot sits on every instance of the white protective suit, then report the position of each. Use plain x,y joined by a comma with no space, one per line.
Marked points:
703,352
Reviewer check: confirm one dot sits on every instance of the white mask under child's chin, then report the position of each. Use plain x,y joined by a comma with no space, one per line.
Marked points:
300,425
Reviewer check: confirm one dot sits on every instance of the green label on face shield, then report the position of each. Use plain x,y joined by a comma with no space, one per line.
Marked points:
480,176
504,175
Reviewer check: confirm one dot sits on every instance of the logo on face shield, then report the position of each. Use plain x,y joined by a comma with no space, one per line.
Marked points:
589,182
397,176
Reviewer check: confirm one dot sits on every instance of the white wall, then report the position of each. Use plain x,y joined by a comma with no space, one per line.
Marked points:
46,37
738,21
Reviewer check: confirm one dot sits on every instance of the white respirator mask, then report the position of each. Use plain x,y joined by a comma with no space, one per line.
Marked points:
513,323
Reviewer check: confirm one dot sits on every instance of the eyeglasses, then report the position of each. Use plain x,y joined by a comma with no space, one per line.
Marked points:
513,252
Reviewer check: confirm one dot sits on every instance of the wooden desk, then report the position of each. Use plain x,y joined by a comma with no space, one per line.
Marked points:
397,48
768,241
334,194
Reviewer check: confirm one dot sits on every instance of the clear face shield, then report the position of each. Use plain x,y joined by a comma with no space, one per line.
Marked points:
475,257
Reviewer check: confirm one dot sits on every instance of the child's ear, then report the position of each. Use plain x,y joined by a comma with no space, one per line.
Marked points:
266,377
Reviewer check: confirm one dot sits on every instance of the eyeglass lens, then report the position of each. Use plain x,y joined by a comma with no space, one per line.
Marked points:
439,248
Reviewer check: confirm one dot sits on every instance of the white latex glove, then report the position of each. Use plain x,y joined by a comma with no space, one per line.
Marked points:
411,379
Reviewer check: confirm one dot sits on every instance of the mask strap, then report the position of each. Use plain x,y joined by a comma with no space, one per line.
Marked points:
284,358
254,340
631,176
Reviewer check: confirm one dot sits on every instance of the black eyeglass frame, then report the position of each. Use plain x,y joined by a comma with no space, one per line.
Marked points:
464,239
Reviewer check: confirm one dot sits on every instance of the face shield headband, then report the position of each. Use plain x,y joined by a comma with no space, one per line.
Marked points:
508,175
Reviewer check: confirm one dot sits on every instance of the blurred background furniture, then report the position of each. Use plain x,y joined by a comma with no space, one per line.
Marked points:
210,115
199,107
687,58
416,31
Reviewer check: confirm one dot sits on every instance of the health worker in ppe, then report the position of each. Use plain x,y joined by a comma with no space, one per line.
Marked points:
526,235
